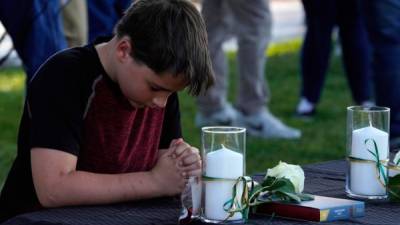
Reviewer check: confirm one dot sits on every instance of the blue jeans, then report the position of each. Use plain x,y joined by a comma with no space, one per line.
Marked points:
321,18
383,23
36,30
103,15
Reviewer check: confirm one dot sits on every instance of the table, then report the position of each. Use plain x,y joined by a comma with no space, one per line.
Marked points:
327,179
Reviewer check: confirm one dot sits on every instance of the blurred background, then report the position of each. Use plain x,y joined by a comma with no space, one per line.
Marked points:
323,137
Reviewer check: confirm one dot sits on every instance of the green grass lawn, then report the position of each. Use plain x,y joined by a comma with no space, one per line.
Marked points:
323,138
11,94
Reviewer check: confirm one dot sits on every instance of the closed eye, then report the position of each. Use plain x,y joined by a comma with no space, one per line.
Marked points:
153,88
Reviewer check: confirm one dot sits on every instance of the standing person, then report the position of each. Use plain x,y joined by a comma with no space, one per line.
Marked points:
383,23
75,22
250,22
35,28
321,18
101,123
103,15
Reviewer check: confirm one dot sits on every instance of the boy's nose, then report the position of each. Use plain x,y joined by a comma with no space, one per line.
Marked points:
160,101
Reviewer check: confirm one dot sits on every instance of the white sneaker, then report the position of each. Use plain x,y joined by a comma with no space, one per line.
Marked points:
225,117
266,125
368,104
305,106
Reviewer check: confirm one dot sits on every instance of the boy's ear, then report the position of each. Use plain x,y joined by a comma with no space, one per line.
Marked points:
124,49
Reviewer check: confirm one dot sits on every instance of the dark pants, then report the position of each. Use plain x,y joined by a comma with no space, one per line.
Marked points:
321,18
383,23
103,15
35,28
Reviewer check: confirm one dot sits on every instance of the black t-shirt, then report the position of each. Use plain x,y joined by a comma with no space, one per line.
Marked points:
72,105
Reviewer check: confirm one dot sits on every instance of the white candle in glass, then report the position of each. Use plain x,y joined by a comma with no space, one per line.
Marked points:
364,176
222,163
196,195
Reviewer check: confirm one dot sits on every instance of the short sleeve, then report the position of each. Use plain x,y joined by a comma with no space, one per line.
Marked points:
172,122
56,105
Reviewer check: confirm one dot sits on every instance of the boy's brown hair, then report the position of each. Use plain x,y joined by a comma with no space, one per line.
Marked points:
169,36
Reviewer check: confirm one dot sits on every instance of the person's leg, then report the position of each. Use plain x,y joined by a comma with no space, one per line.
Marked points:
383,23
35,28
355,47
320,20
253,27
103,15
216,15
75,21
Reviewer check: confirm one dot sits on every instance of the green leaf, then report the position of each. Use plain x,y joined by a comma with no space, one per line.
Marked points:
288,197
285,186
394,181
305,197
279,190
394,188
268,181
267,197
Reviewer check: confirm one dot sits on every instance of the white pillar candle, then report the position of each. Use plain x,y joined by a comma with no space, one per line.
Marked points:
364,176
222,163
196,195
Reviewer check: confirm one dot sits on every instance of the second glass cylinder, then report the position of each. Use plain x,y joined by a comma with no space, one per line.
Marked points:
367,151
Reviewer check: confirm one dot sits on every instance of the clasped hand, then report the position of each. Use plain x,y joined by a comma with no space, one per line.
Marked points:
174,167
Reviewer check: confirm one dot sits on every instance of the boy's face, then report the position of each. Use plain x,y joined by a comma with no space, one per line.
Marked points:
141,85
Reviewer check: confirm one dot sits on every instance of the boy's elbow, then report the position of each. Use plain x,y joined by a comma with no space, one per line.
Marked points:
50,173
49,192
47,198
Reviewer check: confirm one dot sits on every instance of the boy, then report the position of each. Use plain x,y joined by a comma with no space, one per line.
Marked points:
101,122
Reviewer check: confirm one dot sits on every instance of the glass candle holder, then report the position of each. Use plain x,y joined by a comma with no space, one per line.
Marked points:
367,152
224,157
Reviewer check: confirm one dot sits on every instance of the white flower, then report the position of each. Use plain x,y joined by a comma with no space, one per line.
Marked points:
294,173
396,159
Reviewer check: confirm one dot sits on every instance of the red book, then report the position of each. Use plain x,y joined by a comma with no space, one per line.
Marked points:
320,209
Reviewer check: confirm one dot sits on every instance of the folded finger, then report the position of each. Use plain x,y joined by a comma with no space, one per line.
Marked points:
194,166
181,148
190,159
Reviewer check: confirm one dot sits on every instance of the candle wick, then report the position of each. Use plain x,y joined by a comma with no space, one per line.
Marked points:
370,120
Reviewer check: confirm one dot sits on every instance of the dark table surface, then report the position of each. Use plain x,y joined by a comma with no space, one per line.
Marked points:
327,179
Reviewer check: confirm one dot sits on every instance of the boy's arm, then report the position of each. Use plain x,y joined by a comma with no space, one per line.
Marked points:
58,183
